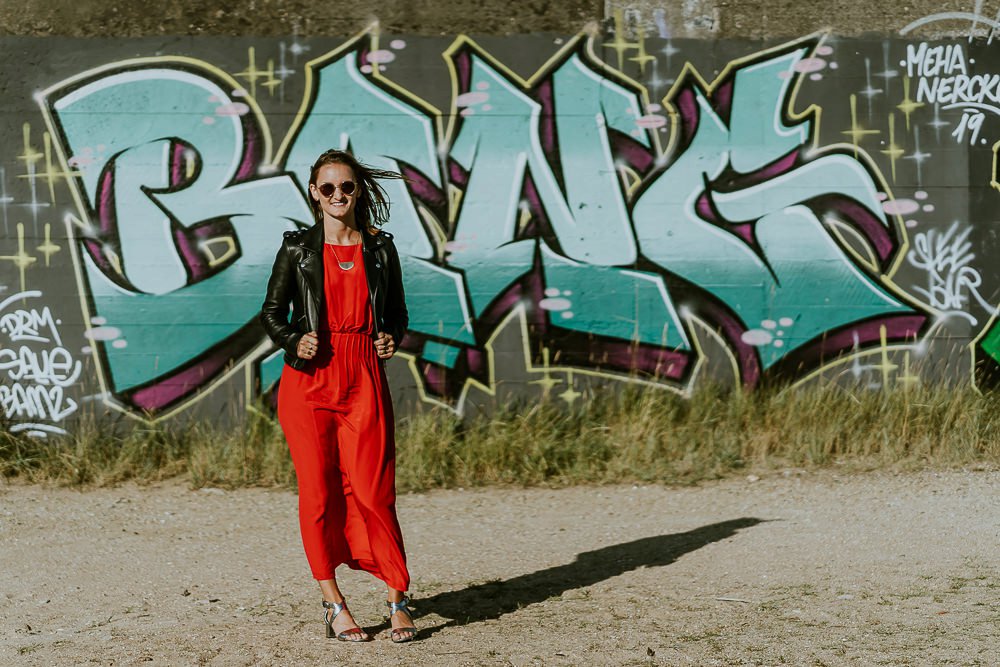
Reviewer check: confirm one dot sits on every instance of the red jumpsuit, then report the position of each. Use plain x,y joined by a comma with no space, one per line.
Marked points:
337,417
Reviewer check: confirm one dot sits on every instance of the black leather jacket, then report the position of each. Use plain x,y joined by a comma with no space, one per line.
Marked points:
297,279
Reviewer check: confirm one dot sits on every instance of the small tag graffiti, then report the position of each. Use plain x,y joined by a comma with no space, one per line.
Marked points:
35,368
951,280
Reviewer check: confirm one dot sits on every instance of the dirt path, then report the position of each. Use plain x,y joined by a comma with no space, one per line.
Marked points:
803,569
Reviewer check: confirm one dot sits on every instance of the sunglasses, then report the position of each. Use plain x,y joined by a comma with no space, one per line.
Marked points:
347,187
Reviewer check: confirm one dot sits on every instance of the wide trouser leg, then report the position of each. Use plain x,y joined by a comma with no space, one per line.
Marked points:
367,448
311,435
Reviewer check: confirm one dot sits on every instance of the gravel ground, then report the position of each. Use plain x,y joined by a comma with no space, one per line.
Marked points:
795,568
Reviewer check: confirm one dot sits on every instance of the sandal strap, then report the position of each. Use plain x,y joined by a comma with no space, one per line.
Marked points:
402,605
337,607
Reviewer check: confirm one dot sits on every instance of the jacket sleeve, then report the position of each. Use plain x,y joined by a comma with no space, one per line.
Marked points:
274,311
396,316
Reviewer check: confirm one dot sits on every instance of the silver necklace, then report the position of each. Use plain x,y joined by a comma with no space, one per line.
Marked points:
344,266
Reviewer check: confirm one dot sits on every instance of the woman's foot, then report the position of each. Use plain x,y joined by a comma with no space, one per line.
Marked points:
401,619
341,624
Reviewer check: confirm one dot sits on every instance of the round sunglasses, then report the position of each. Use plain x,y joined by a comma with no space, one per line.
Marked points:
327,189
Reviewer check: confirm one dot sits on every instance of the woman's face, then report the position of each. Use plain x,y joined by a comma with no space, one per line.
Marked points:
333,181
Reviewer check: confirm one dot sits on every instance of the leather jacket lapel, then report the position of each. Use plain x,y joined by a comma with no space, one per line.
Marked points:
312,269
373,271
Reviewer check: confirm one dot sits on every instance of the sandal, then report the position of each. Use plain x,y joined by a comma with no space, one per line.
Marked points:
355,634
401,635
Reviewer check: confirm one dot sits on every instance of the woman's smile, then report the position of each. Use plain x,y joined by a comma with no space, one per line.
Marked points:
337,204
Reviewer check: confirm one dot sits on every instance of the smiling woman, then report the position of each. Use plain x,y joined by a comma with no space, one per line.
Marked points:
343,281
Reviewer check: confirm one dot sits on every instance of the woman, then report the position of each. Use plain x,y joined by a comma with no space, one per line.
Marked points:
348,313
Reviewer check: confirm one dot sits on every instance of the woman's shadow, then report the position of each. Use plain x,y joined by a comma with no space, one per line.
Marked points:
492,599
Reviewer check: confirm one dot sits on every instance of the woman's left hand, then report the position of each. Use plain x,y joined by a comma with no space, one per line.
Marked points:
385,346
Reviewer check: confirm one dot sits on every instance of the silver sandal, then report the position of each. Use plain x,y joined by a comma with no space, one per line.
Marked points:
401,635
355,634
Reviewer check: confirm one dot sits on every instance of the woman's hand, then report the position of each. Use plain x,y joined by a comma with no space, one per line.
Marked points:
307,346
385,346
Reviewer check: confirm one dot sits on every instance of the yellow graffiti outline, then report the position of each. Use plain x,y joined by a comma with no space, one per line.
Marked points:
546,369
884,348
583,41
975,343
370,32
572,46
815,112
205,246
993,177
70,221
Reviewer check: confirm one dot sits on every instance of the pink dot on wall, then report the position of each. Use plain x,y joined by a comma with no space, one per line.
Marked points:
468,99
882,196
900,207
928,208
910,224
651,121
102,333
824,50
208,120
833,65
397,44
367,69
920,194
815,77
381,56
232,109
483,85
810,65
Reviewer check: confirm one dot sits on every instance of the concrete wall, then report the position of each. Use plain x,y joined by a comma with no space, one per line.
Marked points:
728,19
617,205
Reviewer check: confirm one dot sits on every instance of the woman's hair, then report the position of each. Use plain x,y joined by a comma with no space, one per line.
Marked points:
372,207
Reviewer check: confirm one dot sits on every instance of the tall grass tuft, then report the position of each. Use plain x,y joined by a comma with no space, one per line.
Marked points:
631,435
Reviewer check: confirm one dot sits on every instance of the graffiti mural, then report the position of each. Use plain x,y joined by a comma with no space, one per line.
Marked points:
602,208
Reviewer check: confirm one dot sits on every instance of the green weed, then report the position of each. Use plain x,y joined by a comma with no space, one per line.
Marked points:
646,436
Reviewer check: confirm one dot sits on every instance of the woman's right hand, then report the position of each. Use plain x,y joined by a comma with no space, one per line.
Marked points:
307,346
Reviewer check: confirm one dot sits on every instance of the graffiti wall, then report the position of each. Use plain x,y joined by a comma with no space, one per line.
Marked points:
579,210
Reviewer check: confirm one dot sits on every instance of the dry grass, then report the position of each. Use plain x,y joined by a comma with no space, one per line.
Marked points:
647,436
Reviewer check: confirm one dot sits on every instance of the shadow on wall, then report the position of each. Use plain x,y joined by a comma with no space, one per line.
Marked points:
493,599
